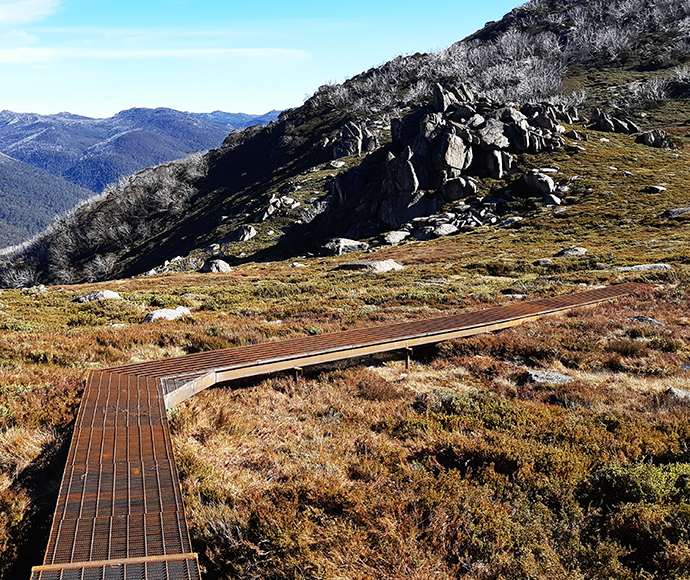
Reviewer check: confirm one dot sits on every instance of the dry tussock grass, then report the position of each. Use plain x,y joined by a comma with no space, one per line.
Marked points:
20,446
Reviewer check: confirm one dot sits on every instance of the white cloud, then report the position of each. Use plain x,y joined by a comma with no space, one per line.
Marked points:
16,38
192,53
25,54
25,11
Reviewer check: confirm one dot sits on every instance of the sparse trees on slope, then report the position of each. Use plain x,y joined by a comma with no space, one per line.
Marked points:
85,243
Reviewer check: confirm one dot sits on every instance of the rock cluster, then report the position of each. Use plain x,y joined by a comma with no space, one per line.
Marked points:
464,216
177,264
355,139
277,204
604,122
435,150
35,290
656,138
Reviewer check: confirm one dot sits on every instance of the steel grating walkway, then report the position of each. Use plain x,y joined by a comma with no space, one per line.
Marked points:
120,514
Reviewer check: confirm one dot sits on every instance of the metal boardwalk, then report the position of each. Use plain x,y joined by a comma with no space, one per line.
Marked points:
120,514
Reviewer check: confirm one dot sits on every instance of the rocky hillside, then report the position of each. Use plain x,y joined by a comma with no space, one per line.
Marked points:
425,145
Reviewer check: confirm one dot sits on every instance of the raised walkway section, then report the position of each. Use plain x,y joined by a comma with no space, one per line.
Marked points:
120,514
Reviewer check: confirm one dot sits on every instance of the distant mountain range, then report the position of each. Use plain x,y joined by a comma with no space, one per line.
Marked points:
82,155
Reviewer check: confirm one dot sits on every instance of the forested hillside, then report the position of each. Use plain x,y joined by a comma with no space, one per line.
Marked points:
30,198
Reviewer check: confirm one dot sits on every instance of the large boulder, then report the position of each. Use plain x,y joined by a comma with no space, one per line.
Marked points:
644,268
241,234
395,237
402,207
458,188
452,152
492,135
540,183
572,252
642,319
442,99
400,173
518,136
430,232
676,212
494,164
351,137
510,115
536,377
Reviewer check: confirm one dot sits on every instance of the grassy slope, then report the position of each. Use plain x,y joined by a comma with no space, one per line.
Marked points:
449,469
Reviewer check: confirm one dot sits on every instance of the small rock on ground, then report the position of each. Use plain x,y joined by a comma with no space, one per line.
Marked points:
544,378
676,212
96,296
654,189
431,232
644,268
646,320
167,314
511,221
543,262
395,237
217,266
340,246
375,266
678,395
571,252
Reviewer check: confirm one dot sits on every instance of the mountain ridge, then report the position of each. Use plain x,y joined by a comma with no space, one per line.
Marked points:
83,155
63,144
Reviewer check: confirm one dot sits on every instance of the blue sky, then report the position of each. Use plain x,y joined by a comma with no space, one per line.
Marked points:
98,57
